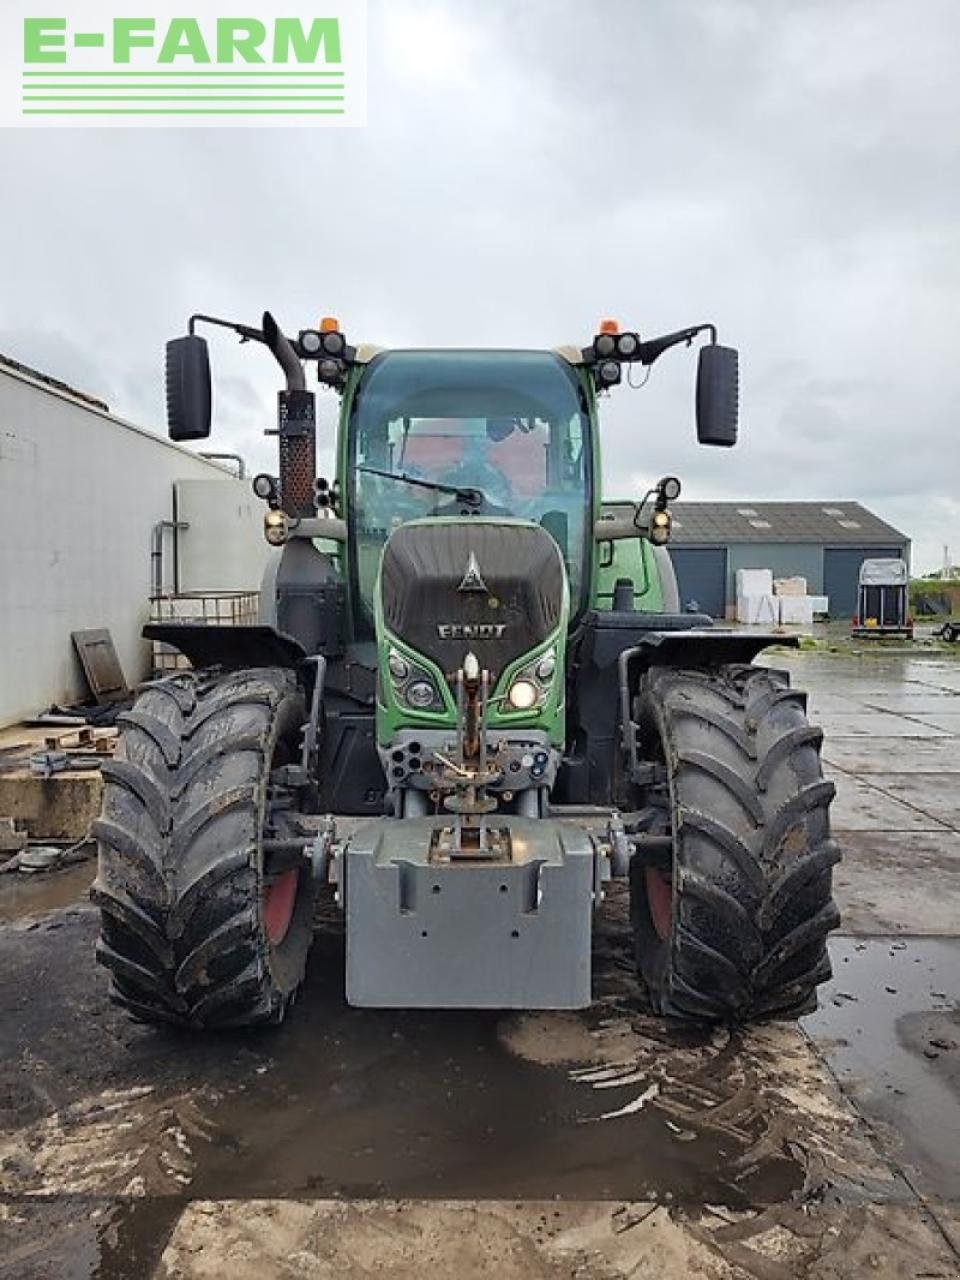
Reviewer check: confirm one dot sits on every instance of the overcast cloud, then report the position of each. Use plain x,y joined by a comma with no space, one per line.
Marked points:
786,169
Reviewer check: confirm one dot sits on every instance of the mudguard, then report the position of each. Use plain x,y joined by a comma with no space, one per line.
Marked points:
228,647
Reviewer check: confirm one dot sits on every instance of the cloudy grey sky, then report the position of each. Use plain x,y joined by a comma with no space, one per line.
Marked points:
786,168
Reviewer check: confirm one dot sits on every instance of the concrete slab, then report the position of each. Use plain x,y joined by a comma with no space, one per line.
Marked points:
948,1220
905,702
58,808
948,720
893,755
860,806
889,1027
898,883
874,724
934,794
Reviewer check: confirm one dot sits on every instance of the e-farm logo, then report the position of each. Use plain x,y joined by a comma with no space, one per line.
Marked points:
277,63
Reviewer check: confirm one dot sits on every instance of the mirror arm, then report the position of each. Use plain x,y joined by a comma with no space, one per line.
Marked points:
652,350
270,335
244,330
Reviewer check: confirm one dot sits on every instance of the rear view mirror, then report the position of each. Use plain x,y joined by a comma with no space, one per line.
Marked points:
718,395
188,389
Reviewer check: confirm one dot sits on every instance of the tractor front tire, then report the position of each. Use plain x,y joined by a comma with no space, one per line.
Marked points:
733,925
195,930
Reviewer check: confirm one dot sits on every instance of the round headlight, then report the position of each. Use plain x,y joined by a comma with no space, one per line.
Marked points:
670,488
627,344
605,344
333,344
275,528
264,486
609,372
399,667
310,341
329,370
523,695
547,666
660,528
420,694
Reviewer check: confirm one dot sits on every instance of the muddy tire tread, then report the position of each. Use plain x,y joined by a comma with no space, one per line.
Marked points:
753,854
180,869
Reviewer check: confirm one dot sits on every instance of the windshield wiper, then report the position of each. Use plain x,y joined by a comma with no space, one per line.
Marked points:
471,497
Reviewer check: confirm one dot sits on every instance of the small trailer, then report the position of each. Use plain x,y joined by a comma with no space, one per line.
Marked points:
883,604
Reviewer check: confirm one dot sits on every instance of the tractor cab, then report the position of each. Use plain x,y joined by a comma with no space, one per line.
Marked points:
468,498
463,434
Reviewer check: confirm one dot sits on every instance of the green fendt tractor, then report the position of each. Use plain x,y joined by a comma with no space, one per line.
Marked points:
461,645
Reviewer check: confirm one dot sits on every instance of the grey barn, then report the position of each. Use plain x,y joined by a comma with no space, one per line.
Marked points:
824,542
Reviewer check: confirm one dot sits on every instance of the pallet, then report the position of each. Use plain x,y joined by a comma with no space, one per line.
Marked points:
85,739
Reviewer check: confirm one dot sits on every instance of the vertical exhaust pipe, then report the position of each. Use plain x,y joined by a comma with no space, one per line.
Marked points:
296,427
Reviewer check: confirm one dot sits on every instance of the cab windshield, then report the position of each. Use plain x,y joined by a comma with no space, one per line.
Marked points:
450,433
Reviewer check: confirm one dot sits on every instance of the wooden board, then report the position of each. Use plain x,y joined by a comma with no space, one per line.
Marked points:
100,663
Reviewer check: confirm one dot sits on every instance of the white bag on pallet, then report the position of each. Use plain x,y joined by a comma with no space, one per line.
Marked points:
790,586
758,609
796,611
754,582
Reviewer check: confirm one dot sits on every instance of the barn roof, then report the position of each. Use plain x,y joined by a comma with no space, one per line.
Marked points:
829,522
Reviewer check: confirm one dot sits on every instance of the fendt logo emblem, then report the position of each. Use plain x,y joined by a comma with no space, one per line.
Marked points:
471,630
473,578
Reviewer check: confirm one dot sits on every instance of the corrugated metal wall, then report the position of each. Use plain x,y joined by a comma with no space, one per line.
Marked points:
80,493
785,559
788,560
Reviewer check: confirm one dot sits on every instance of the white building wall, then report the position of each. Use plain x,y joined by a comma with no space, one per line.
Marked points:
80,494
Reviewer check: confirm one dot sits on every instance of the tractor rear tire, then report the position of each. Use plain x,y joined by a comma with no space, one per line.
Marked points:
195,930
733,926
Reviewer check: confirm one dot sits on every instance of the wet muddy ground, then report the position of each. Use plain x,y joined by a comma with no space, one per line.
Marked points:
357,1143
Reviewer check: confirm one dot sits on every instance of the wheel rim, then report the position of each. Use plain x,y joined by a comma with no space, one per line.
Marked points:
659,887
278,900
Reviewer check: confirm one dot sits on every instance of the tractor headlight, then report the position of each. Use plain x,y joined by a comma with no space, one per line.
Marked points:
399,667
670,487
628,344
660,528
265,487
523,695
412,686
420,694
608,373
310,341
275,528
546,667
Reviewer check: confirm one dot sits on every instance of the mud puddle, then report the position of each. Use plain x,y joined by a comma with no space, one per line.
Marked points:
889,1026
23,894
110,1129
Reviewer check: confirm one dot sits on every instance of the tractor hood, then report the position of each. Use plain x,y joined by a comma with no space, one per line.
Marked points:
496,588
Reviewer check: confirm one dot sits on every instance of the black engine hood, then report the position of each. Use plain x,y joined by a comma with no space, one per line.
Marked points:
449,586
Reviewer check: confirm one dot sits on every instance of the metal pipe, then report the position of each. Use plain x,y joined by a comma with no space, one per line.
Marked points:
156,554
283,353
228,457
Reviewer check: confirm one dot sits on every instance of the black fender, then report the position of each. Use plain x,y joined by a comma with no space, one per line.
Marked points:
609,652
710,647
228,647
